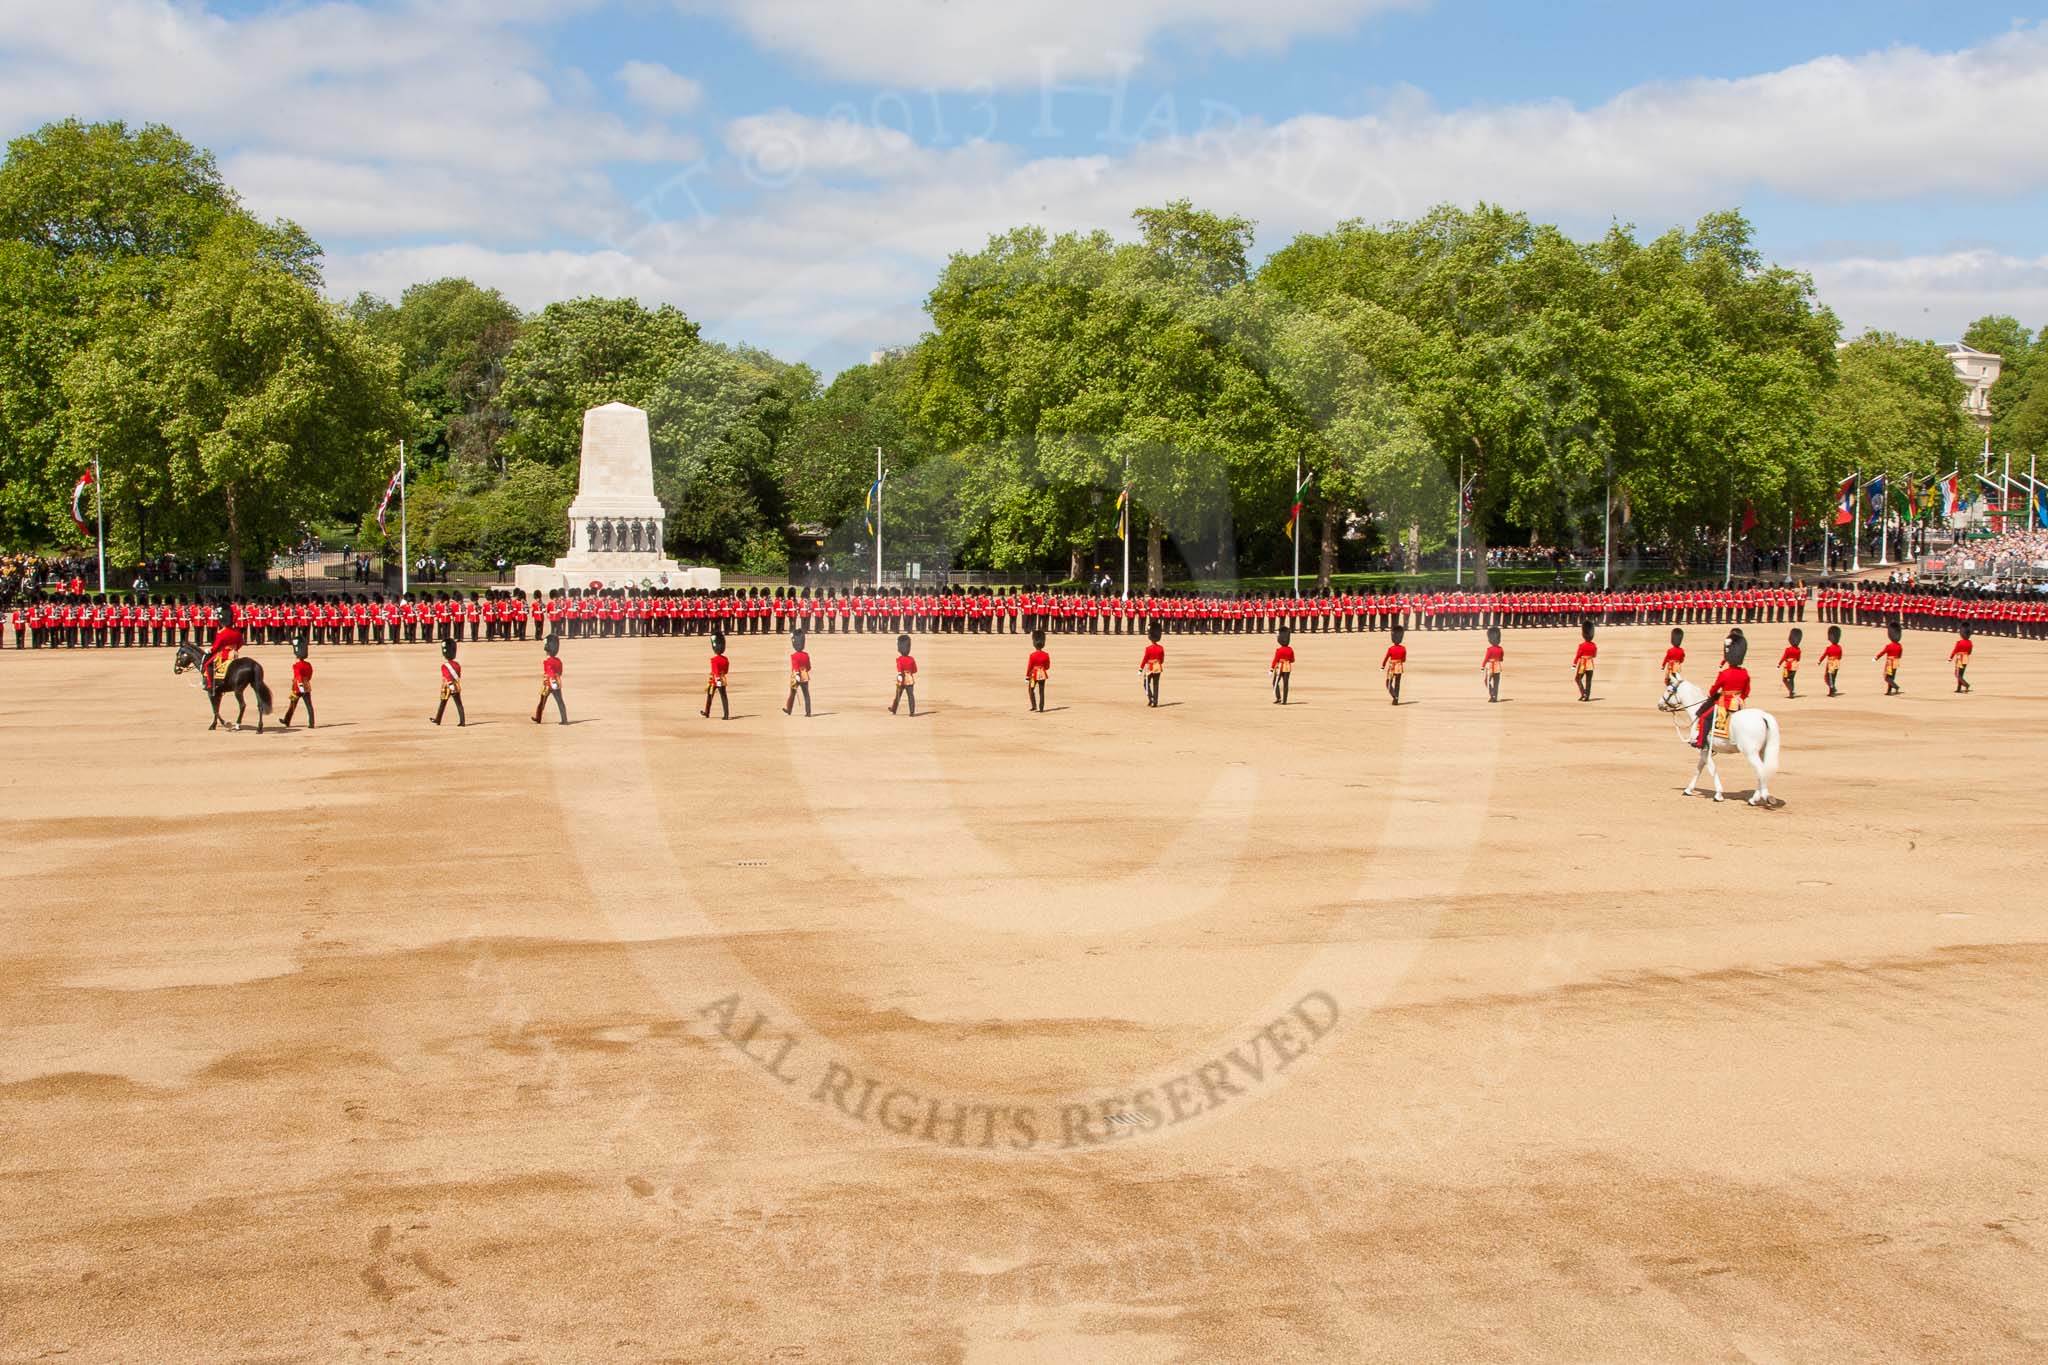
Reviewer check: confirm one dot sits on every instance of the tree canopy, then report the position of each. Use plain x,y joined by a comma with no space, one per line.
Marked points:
1559,391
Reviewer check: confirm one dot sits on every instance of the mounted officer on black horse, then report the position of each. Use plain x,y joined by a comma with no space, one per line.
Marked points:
221,671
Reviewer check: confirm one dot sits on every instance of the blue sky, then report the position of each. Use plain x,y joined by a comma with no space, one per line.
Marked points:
793,172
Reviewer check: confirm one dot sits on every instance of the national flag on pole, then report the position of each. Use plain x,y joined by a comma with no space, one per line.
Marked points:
1994,502
874,496
1912,496
390,492
1950,499
1874,493
1294,514
1748,517
78,502
1798,519
1845,502
1123,514
1627,511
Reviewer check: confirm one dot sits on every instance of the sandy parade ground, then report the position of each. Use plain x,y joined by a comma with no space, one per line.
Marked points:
1217,1032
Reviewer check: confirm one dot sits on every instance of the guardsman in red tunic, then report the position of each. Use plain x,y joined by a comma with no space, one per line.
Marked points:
1152,664
1959,656
1889,657
906,676
451,685
302,683
1582,661
714,685
1037,668
551,681
1490,662
1831,659
799,673
1788,662
1281,668
1674,657
1730,690
1394,662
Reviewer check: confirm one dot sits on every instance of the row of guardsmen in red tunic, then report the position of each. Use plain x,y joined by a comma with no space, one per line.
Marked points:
370,618
1731,686
1932,607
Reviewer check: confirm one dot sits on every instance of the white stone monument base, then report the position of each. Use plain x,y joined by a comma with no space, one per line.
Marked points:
612,571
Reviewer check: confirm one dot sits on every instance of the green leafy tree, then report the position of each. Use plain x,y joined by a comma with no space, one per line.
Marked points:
97,223
244,408
582,354
1897,410
452,337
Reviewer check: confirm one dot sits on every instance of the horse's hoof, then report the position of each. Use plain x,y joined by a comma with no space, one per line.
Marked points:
1717,798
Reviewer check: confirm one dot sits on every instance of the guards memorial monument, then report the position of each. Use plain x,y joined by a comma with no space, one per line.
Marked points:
616,522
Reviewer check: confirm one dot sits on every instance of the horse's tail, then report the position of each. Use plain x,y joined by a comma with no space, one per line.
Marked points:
262,691
1767,752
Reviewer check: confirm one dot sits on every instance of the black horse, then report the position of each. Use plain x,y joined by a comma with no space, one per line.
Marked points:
242,675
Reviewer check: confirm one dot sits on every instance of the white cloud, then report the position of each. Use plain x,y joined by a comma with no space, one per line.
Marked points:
1932,296
348,118
442,140
659,90
846,225
964,44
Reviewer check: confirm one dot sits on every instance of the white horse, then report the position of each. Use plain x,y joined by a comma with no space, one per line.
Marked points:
1751,732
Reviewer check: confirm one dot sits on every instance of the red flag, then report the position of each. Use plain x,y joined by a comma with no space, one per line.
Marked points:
1845,501
1293,517
1748,517
1798,520
78,502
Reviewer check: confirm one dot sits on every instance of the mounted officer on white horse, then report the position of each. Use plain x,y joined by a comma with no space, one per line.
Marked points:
1721,722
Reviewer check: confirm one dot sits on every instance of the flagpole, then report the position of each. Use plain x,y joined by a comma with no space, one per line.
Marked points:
404,554
1790,523
1606,534
1856,527
878,516
1296,526
1123,524
1728,554
2033,495
1884,524
2004,492
99,503
1459,566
